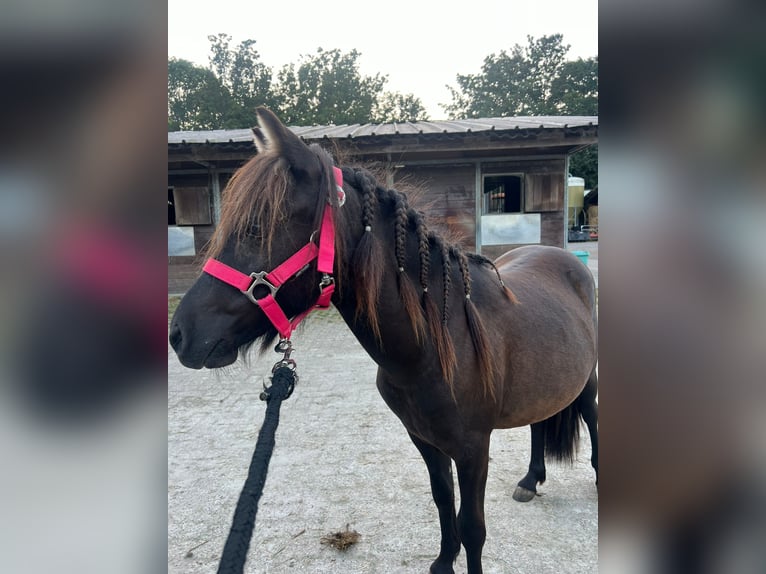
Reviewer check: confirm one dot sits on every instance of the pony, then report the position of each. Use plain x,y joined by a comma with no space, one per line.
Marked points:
463,345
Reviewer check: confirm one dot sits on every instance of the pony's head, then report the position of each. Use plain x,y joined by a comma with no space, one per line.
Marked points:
271,208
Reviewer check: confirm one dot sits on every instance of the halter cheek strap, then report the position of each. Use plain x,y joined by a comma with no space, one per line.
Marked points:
273,280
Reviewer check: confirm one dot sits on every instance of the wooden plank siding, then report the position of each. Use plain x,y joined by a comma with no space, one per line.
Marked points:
544,192
446,195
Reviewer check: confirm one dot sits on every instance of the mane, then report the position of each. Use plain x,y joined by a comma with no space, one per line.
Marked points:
252,203
426,319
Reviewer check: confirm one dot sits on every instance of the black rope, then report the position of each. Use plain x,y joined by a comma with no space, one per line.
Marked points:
243,523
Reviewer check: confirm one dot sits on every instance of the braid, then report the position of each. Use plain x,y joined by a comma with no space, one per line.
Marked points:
423,249
400,205
366,258
368,205
410,298
462,262
479,336
428,323
447,281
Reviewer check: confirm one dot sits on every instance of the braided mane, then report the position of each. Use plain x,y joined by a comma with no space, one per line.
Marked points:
424,315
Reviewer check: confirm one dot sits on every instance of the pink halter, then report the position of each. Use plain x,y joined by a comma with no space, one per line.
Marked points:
273,280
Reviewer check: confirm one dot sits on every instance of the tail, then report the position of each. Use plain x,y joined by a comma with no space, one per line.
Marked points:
561,433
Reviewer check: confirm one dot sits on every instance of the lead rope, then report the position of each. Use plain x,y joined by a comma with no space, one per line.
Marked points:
283,381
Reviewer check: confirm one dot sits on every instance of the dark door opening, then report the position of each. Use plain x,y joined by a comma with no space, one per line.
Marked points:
502,194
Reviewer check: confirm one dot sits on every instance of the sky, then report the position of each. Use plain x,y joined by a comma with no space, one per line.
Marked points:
420,45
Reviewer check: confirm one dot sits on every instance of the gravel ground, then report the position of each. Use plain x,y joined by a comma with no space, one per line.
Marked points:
342,458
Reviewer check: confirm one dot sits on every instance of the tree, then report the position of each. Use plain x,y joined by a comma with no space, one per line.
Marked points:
519,83
327,88
246,79
196,99
396,107
574,91
323,88
584,164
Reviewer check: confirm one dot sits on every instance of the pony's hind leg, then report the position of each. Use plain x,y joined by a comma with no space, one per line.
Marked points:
557,436
527,487
589,412
443,492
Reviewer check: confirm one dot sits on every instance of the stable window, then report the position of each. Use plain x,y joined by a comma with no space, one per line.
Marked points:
503,194
191,205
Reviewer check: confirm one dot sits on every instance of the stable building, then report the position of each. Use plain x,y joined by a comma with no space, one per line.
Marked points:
496,183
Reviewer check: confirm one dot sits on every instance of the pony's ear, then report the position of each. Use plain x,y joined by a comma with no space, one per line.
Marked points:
260,141
274,136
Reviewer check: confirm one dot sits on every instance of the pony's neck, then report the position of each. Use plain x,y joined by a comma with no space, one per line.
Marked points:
405,291
368,297
395,290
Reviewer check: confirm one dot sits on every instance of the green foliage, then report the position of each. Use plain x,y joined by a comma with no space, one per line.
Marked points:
244,77
222,96
196,99
327,88
516,84
396,107
323,88
575,89
584,164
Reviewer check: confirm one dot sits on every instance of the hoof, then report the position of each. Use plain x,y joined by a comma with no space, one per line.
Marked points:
522,494
437,568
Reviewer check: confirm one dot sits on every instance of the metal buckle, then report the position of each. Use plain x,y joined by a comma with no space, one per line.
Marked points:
286,347
326,281
259,278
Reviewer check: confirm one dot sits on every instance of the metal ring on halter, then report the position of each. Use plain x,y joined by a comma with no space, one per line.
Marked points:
259,278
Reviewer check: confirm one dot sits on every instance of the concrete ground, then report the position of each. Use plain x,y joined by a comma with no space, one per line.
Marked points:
342,458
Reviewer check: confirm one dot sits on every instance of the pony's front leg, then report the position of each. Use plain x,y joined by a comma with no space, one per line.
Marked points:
443,491
472,478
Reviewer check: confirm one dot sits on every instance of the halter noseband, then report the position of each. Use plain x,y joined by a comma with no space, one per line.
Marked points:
294,265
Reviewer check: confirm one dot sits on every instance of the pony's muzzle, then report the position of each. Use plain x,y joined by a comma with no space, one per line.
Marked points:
175,337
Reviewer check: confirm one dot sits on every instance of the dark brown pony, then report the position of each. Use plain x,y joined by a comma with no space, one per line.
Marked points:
459,355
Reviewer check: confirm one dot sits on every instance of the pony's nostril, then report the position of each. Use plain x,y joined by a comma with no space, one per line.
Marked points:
175,336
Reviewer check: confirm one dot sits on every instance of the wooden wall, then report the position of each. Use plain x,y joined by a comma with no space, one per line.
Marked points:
446,195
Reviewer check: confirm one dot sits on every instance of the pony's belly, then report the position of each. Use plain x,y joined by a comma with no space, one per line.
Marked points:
536,402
